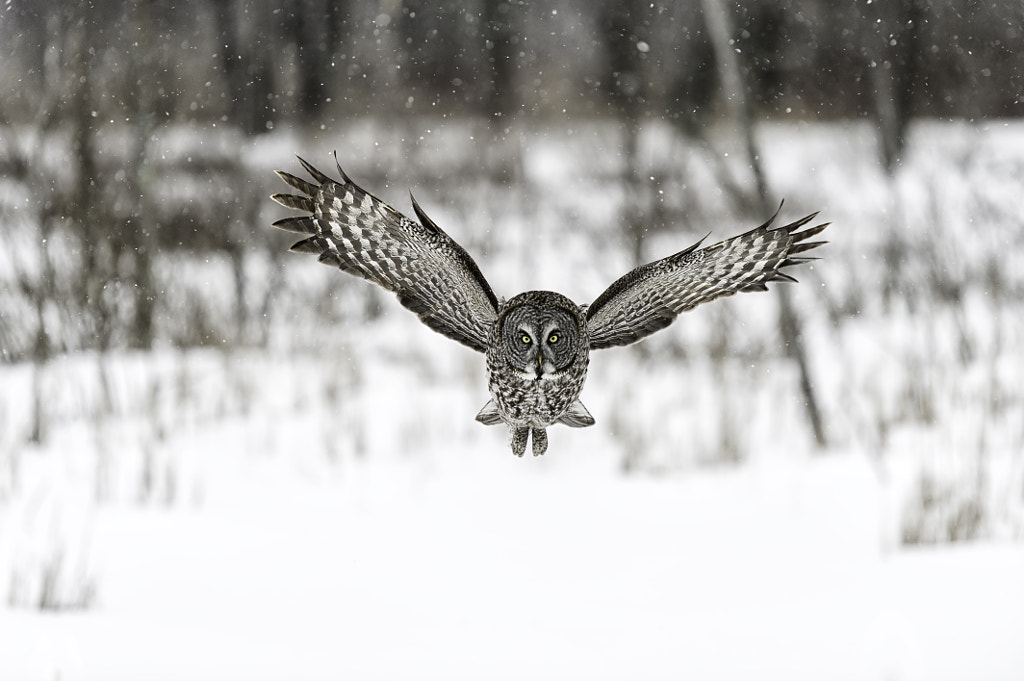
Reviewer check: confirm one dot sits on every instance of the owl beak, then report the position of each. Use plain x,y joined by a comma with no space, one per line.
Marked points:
544,368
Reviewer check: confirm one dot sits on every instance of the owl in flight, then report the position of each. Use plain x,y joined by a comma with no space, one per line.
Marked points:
537,344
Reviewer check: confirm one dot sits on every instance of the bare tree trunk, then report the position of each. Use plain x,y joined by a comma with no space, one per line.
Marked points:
501,26
719,25
895,73
305,22
625,27
138,229
624,24
247,68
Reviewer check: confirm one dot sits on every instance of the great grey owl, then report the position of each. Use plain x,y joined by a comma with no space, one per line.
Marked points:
537,343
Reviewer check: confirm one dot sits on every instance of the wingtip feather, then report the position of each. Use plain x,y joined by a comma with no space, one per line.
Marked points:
296,225
313,172
294,202
422,215
802,246
297,183
344,176
811,231
314,245
792,227
330,257
768,223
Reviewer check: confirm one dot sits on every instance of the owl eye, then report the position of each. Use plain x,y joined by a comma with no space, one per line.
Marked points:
526,339
553,339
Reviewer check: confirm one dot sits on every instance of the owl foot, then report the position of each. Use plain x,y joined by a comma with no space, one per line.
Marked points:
519,437
540,441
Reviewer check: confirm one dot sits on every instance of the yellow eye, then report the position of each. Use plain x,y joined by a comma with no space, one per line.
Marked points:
553,339
526,340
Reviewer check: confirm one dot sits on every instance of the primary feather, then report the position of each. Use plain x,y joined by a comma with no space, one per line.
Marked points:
651,296
429,272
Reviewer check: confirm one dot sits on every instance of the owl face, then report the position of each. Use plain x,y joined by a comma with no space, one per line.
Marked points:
540,340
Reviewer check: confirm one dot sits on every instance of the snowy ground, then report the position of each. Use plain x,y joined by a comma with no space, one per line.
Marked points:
326,507
482,566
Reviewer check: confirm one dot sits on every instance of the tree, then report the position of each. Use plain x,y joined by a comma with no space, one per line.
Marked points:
246,66
315,28
626,34
895,73
720,29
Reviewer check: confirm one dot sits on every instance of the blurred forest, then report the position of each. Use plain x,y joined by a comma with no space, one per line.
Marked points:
259,64
90,87
138,140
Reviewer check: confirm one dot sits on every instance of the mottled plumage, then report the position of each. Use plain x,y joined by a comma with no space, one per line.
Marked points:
650,297
431,274
538,343
537,362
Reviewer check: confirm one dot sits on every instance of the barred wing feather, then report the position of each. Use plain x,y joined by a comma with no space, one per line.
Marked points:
651,296
431,274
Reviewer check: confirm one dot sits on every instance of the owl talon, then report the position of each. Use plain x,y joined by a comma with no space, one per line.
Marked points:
519,436
540,441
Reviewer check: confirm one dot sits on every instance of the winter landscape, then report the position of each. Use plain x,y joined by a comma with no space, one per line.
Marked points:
264,468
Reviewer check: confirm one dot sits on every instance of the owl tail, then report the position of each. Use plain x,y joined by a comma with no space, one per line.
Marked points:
489,415
576,416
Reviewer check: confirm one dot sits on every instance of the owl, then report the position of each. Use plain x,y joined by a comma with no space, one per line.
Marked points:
537,344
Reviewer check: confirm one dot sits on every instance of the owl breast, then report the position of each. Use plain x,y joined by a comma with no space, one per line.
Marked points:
537,358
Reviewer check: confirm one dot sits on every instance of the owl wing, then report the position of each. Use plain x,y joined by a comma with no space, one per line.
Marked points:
651,296
430,273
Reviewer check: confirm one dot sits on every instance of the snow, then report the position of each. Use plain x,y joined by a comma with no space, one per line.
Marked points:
326,507
491,568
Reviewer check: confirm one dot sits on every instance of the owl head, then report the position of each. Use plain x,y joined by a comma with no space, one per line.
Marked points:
542,333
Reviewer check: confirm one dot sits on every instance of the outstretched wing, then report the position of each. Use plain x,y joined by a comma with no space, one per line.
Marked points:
429,272
650,297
